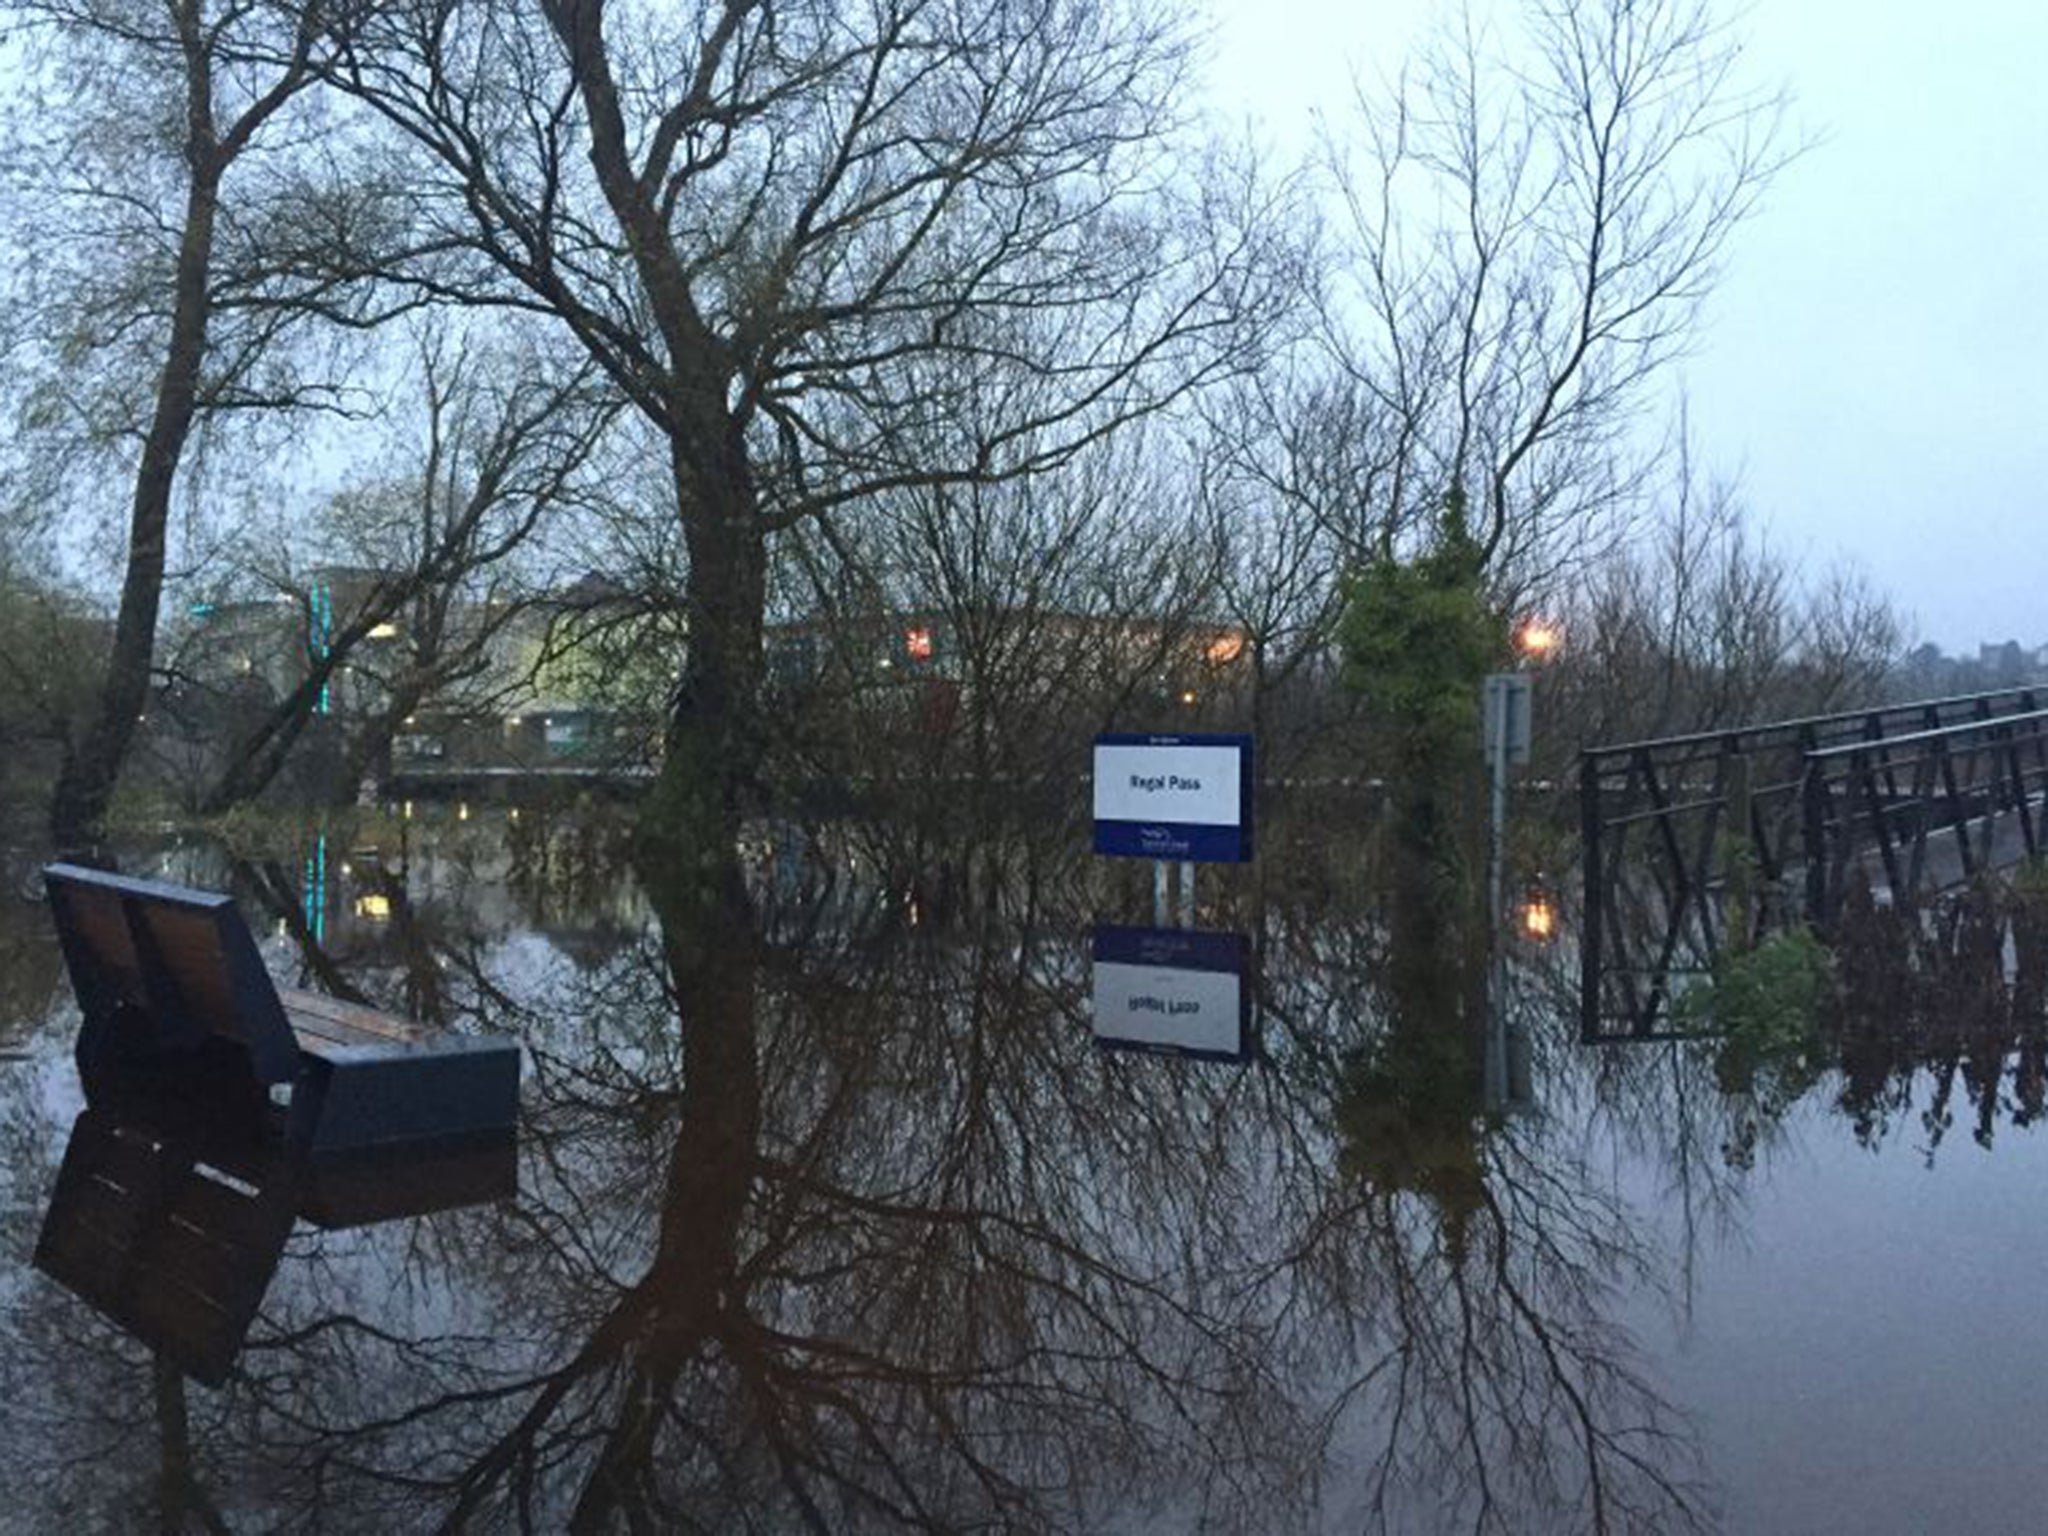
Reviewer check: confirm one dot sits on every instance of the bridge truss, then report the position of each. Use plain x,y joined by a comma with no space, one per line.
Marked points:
1695,842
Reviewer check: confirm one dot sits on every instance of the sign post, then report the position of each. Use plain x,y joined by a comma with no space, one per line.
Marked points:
1505,708
1183,800
1186,799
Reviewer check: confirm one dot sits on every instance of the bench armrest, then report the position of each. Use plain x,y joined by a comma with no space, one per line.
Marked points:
351,1097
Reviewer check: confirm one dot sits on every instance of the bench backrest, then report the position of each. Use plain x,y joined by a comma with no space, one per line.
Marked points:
181,960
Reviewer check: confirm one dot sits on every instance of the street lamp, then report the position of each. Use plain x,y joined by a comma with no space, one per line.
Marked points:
1539,917
1537,640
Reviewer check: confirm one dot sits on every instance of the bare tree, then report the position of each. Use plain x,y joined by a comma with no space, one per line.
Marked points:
1702,624
501,446
826,253
164,102
1528,228
979,635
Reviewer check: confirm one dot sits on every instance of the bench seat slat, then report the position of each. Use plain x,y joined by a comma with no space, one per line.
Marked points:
309,1010
316,1035
112,1210
228,1215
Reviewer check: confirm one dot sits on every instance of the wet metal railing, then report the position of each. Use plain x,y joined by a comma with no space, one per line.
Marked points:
1927,810
1690,841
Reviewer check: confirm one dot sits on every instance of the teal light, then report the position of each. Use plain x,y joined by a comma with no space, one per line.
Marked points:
316,891
320,602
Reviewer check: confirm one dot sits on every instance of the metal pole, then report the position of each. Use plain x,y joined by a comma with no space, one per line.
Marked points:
1593,917
1813,795
1497,707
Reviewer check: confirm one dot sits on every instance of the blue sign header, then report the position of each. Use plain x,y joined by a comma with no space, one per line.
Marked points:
1183,949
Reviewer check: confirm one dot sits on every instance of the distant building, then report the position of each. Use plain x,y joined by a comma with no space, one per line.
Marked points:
2005,665
584,677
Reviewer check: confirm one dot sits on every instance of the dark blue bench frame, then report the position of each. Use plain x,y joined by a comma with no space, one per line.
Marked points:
180,1009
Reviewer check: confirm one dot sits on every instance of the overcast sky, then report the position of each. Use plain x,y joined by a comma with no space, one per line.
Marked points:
1872,367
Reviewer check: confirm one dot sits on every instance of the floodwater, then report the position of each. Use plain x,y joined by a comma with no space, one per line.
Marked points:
829,1212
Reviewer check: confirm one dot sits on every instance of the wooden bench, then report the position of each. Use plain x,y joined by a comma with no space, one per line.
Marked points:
181,1014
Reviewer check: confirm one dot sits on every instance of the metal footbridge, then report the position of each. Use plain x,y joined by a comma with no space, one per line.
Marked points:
1694,842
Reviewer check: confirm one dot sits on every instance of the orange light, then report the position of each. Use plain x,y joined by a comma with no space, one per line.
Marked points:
919,643
1225,648
1539,639
1539,919
1188,697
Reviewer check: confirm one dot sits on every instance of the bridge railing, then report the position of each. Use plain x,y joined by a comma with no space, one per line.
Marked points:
1933,808
1689,838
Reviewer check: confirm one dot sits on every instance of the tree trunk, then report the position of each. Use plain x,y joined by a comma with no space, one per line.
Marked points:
691,821
85,781
714,736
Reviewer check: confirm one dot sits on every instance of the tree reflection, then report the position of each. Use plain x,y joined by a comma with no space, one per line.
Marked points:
829,1222
1475,1263
869,1284
1921,1011
1961,995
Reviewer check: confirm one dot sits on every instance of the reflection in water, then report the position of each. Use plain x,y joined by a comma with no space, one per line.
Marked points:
31,966
1465,1267
175,1238
1888,1026
831,1221
1963,995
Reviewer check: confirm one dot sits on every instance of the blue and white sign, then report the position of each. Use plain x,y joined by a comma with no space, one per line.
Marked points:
1174,797
1172,990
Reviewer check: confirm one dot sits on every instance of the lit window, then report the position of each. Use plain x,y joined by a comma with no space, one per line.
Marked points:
384,631
1225,648
919,643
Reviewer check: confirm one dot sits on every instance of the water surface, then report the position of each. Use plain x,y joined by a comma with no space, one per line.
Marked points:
831,1214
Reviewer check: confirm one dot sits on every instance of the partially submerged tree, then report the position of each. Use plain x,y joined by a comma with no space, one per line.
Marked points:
826,253
500,446
1524,226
